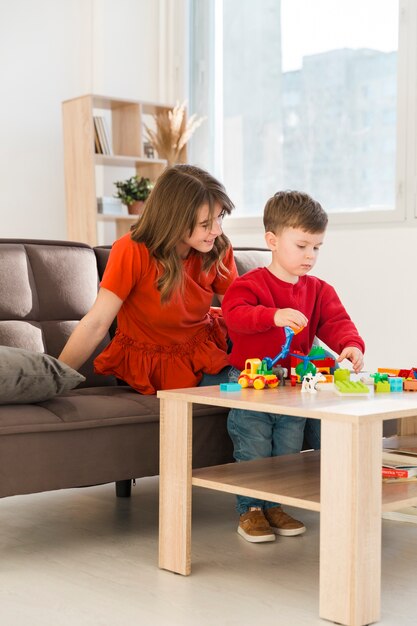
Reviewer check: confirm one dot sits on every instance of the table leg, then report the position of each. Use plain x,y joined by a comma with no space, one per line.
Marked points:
350,522
175,486
407,426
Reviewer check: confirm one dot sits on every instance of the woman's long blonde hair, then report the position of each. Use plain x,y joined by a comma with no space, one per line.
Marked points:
171,212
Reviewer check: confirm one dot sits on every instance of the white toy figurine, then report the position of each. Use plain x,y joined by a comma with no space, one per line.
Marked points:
309,382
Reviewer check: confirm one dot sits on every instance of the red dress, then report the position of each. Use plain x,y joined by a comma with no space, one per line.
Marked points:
163,346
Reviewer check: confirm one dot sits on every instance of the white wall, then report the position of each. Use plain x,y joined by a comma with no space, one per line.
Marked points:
45,58
371,268
126,48
52,50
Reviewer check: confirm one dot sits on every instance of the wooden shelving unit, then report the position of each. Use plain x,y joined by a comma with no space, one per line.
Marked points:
80,159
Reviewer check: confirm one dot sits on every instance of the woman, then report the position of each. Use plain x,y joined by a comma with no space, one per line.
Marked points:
159,282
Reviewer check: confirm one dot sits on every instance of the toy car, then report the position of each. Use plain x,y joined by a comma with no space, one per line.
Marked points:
256,375
259,374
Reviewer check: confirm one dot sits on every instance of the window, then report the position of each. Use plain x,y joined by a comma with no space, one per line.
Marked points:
308,95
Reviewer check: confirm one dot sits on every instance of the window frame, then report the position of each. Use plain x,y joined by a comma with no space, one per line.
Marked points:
405,209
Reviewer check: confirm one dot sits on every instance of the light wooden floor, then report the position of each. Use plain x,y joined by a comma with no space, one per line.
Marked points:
83,557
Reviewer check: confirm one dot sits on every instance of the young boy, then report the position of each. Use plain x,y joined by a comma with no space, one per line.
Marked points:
256,307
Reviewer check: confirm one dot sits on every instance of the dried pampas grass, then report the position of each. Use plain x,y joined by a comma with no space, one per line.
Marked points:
172,133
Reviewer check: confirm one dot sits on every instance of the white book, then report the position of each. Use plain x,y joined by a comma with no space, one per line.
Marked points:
106,134
396,458
101,131
97,139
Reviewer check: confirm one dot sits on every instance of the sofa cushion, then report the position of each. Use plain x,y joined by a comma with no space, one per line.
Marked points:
33,376
22,334
92,407
46,287
251,258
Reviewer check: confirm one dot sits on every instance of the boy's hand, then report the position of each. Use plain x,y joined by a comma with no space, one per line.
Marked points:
290,317
354,355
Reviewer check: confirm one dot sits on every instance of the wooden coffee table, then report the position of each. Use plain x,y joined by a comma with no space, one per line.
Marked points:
343,482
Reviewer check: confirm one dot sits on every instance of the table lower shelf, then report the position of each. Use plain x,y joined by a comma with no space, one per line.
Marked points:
293,480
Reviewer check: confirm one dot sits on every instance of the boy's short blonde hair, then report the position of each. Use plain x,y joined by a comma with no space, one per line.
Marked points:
294,209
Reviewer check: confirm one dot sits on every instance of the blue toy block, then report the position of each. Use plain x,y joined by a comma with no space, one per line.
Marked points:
230,387
395,383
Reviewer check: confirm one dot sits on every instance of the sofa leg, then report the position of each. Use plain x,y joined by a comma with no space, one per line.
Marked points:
123,488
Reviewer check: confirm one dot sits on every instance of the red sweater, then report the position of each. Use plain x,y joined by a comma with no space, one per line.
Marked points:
249,306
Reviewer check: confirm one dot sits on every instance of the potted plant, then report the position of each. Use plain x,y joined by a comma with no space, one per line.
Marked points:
133,192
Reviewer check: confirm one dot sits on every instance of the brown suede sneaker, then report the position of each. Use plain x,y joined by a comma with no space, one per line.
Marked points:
254,527
283,524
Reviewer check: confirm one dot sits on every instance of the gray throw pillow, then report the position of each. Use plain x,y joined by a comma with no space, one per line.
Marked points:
27,377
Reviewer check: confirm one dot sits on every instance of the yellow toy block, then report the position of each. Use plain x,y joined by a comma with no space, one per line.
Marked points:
382,386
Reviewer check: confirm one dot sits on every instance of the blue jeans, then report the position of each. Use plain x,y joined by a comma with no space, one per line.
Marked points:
215,379
312,435
258,435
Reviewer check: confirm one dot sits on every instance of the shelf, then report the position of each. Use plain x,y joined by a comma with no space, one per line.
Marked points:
292,479
101,217
122,222
127,161
107,103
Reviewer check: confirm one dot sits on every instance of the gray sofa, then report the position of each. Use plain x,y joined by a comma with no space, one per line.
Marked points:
100,432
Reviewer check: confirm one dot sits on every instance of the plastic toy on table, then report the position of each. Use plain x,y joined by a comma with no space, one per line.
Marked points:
310,381
386,382
268,373
351,388
230,387
315,360
259,373
395,383
410,384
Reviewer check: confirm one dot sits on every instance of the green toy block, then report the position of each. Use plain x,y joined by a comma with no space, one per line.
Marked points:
350,386
341,374
382,386
317,352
